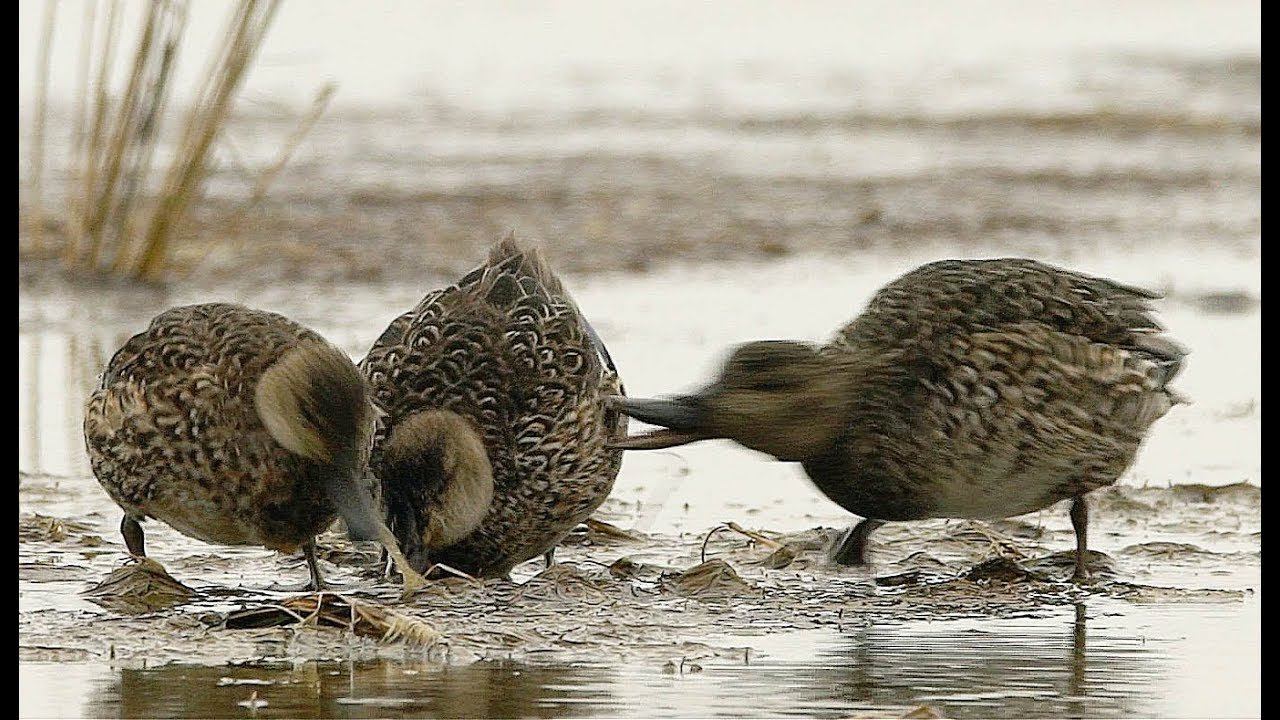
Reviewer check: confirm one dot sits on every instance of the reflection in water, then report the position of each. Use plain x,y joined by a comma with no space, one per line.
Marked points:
992,668
62,348
1078,643
379,689
982,668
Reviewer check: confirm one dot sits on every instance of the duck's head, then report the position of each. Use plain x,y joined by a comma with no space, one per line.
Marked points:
779,397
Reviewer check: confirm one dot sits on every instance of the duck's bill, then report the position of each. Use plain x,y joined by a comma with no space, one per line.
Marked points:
679,422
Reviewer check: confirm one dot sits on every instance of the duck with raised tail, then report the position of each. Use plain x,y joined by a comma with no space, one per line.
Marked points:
973,389
494,393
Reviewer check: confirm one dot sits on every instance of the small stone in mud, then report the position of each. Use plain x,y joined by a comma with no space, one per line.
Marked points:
1001,569
912,577
713,577
1060,565
139,588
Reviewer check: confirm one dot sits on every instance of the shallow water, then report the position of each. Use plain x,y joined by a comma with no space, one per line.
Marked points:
1086,661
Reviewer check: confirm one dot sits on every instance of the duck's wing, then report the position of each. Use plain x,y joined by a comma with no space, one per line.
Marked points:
1020,370
567,419
182,391
956,298
507,347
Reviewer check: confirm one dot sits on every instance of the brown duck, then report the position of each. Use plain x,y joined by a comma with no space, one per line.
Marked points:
494,393
967,389
236,427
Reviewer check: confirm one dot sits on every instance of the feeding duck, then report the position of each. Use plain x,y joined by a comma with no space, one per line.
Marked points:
495,416
973,389
236,427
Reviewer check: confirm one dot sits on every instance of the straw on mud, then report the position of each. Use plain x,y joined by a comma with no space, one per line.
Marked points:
611,531
38,124
337,611
766,541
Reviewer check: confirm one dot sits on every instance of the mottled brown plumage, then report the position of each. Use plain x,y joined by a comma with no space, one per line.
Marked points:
234,426
494,391
966,389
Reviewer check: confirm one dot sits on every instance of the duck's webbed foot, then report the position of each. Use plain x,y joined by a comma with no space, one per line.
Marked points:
852,548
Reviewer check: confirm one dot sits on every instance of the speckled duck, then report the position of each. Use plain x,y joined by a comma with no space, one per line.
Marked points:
494,395
967,389
236,427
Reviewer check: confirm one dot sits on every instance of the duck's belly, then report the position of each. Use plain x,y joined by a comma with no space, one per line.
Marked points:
977,490
267,504
997,497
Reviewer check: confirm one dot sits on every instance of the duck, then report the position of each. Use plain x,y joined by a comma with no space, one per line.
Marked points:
976,389
236,426
494,418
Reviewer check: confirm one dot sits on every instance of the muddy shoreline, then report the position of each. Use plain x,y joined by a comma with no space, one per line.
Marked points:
614,598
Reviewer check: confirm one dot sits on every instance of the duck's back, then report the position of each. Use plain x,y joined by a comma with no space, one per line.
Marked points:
507,349
998,387
173,432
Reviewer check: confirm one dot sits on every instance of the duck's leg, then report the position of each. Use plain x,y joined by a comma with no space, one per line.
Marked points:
1080,521
549,557
134,538
309,550
852,548
388,567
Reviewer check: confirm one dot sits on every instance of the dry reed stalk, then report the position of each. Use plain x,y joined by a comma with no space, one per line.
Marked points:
269,175
79,117
78,251
132,199
102,201
123,223
208,115
45,53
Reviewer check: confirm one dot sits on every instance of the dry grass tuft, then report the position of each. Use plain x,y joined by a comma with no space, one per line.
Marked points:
133,185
